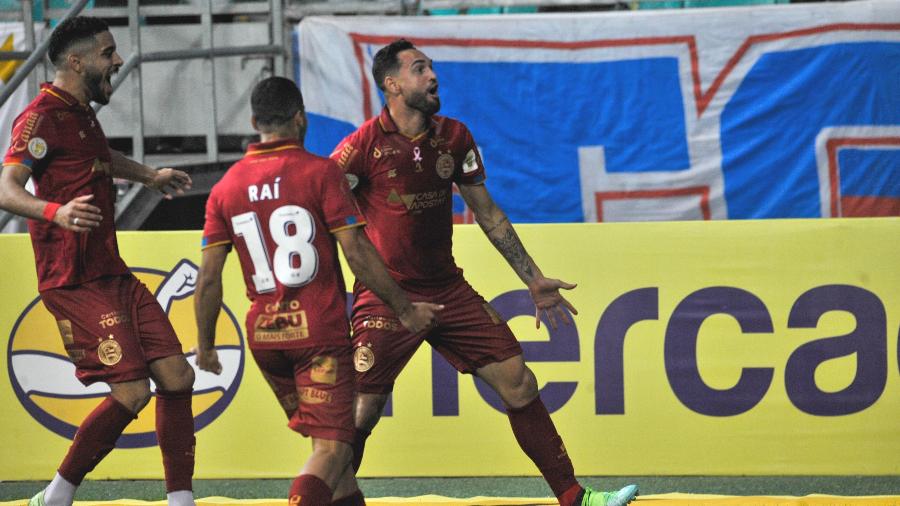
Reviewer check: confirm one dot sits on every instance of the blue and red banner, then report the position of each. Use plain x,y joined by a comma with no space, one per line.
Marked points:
786,111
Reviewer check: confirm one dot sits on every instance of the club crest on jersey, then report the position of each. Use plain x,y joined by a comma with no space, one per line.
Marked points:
37,147
444,166
109,352
363,358
42,373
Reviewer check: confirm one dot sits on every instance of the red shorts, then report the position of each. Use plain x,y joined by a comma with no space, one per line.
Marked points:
112,328
314,386
469,334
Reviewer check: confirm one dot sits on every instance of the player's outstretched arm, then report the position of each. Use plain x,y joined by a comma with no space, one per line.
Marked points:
369,268
497,227
207,304
77,215
170,182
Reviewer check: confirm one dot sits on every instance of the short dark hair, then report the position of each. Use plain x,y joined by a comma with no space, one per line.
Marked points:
275,101
72,31
386,61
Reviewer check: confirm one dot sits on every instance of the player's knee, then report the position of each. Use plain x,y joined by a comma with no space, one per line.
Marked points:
134,395
521,389
179,376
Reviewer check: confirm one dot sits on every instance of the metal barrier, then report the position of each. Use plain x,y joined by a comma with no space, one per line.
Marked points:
271,9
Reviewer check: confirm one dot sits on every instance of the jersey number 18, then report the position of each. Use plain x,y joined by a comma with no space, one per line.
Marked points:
292,248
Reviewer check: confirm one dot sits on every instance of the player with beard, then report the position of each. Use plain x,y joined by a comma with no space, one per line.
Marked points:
57,141
403,164
283,211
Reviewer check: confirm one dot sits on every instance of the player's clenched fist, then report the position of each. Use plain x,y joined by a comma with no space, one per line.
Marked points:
208,360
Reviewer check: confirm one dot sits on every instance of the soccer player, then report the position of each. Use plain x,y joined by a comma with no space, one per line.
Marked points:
282,209
57,142
402,165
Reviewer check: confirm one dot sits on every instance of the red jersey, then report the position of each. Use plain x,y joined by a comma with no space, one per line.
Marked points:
275,207
404,190
61,142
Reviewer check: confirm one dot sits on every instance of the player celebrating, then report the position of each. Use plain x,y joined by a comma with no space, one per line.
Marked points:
83,282
282,209
403,164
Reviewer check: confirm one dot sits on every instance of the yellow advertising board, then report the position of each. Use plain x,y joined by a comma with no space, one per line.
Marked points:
738,347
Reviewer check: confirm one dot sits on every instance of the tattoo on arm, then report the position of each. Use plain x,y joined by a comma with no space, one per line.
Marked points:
507,242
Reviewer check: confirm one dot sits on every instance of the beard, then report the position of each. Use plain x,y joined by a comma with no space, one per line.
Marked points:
94,82
423,103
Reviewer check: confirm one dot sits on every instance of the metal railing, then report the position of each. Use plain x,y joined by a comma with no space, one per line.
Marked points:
134,12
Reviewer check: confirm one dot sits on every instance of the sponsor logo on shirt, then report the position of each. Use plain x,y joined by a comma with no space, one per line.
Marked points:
419,201
68,337
386,150
346,153
281,327
324,370
112,319
32,121
471,162
381,323
310,395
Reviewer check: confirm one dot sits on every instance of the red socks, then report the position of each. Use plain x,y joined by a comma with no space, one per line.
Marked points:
307,490
536,434
354,499
573,496
175,432
359,446
95,438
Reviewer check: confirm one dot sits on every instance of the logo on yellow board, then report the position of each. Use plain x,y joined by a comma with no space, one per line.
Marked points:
43,376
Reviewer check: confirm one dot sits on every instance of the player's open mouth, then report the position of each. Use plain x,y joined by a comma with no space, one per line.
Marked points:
432,91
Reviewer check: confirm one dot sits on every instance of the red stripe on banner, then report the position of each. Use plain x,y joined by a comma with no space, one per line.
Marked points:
702,99
834,178
701,191
867,206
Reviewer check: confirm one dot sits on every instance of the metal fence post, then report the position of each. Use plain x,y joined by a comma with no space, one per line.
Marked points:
212,140
137,88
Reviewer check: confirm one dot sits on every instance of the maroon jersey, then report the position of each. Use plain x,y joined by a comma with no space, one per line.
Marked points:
276,206
404,189
61,142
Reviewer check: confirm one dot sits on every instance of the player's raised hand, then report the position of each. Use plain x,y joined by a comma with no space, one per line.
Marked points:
546,297
78,215
420,316
171,182
207,360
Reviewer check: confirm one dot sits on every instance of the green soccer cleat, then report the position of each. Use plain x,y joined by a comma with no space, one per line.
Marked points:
619,498
38,499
